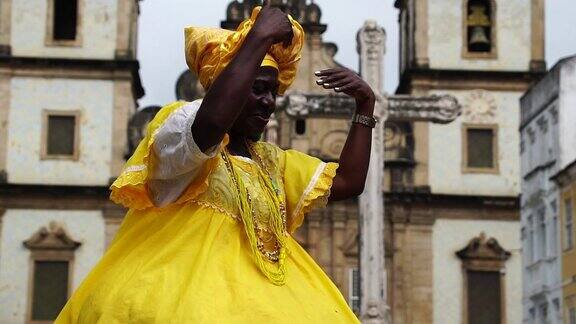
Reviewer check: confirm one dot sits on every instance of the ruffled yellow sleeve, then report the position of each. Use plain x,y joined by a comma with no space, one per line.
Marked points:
307,183
130,189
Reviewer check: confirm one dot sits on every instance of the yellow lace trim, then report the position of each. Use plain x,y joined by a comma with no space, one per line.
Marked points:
315,196
215,208
131,190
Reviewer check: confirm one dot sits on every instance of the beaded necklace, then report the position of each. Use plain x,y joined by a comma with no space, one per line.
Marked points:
271,263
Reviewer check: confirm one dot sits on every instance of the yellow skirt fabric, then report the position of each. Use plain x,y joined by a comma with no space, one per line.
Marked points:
192,261
193,265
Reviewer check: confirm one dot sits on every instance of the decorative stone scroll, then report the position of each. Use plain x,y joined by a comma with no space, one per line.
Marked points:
437,109
52,238
483,254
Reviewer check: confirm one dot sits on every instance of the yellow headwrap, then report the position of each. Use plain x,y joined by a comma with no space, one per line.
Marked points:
209,50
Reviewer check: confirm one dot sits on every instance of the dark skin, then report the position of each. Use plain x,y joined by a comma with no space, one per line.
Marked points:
243,96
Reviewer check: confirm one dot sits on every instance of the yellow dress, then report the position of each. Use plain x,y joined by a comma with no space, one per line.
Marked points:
192,262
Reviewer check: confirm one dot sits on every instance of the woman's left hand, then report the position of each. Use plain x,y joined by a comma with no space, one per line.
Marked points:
345,81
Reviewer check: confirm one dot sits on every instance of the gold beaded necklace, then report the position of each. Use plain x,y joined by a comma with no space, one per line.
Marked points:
271,263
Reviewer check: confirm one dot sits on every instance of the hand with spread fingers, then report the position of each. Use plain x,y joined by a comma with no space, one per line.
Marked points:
355,155
343,80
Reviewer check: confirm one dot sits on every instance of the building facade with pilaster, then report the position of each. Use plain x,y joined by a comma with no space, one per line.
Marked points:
548,146
69,81
454,208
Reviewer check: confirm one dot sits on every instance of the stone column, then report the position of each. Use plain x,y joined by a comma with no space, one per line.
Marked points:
2,212
314,222
124,31
5,79
124,106
339,219
5,26
371,41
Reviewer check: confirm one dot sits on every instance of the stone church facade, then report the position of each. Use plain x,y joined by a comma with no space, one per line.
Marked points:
451,192
463,187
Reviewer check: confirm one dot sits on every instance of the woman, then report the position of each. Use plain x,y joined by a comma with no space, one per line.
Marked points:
207,238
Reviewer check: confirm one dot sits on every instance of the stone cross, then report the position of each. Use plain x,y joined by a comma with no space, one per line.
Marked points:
437,109
440,109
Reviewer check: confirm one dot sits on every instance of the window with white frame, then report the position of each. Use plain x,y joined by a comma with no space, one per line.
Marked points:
544,312
354,289
541,235
552,244
568,225
532,312
531,252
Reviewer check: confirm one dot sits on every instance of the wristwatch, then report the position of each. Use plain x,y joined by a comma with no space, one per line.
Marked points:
368,121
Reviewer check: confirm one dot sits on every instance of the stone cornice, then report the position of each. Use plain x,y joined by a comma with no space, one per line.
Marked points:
425,208
59,197
87,65
565,176
466,79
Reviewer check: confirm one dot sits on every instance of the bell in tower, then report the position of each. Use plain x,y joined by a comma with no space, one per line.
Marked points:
479,26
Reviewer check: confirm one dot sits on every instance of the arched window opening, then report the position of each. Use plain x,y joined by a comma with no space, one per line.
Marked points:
300,126
479,26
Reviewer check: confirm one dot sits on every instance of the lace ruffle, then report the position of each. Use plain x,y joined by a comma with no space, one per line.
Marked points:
130,188
316,196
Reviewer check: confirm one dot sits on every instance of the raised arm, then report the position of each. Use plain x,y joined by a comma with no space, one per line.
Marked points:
226,97
355,157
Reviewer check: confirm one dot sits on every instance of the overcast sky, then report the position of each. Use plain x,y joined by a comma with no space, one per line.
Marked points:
161,43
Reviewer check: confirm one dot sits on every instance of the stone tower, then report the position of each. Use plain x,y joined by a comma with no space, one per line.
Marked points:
69,81
454,216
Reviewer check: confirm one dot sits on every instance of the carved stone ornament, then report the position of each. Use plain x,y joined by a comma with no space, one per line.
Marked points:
480,107
351,247
301,105
480,248
437,109
271,134
52,238
332,144
371,41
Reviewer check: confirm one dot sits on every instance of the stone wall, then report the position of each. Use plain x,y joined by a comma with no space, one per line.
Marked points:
446,151
18,225
450,236
445,30
29,97
30,22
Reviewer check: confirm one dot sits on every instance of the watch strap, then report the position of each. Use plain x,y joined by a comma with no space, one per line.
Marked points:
368,121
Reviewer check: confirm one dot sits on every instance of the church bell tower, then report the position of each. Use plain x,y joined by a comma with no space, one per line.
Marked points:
486,53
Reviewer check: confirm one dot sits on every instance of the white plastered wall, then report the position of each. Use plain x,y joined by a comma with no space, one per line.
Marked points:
445,35
86,227
450,236
446,152
29,97
98,30
567,114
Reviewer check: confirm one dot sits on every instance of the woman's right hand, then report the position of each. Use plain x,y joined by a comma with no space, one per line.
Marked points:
274,24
